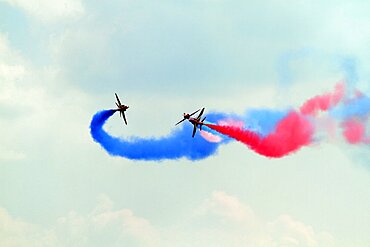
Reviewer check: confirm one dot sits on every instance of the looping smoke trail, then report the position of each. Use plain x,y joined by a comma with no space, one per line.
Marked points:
270,133
178,144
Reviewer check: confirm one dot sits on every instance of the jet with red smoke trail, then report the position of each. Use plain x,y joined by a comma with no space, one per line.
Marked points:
194,121
121,108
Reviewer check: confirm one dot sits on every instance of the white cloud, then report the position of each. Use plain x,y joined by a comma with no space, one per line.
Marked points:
17,233
250,229
240,227
11,72
33,103
226,206
49,10
113,227
10,62
287,231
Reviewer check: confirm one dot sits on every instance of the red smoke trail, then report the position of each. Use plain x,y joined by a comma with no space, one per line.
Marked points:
353,130
323,102
291,133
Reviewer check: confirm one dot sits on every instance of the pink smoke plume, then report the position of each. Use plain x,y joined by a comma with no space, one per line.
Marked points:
354,131
323,102
210,137
291,133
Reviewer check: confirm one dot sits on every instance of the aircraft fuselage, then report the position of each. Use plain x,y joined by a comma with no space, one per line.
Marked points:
195,121
122,107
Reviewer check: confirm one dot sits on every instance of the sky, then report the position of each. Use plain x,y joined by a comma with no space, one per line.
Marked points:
61,61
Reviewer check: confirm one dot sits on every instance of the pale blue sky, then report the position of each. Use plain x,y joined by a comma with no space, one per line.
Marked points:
61,61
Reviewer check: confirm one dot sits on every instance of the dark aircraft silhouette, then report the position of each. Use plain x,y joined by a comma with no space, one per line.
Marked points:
194,121
121,108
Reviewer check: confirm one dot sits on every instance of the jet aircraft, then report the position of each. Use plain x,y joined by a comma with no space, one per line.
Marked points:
194,121
121,108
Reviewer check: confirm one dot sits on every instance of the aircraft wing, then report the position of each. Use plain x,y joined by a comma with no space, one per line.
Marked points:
119,102
200,114
194,113
194,130
180,121
124,117
201,123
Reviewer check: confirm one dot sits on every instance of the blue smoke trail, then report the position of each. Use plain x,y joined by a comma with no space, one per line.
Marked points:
359,107
178,144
